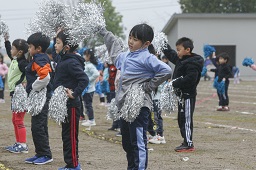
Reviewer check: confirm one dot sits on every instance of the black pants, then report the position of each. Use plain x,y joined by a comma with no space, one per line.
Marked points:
70,131
224,99
155,123
185,119
88,98
39,128
134,140
110,96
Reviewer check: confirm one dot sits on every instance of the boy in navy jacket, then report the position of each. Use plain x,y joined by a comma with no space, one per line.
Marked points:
38,74
70,74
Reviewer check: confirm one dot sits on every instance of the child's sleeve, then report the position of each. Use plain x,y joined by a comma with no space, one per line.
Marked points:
43,69
162,73
8,48
114,44
171,54
95,73
77,72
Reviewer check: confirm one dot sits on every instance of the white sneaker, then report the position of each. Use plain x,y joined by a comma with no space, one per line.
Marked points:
102,104
157,140
89,123
149,137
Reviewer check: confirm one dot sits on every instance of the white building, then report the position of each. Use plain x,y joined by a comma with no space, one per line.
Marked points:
231,33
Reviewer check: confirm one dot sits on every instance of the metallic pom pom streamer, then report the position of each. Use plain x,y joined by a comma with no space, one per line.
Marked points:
87,20
51,15
134,100
3,27
102,53
160,42
168,99
112,112
36,101
58,105
19,99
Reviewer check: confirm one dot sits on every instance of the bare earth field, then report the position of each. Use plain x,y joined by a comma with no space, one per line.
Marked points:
223,140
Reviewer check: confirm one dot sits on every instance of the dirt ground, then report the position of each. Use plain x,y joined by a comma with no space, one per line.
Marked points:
223,140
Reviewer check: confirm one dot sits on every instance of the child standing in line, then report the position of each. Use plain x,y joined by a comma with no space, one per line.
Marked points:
70,74
236,73
224,73
137,66
16,75
188,68
215,62
155,124
38,74
93,74
3,72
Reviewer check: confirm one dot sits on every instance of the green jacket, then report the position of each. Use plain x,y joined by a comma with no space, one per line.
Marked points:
16,73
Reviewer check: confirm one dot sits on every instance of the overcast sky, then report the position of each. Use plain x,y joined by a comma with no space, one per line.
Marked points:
154,12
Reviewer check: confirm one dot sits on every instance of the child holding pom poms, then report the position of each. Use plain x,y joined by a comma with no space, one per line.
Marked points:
16,77
224,73
70,74
139,69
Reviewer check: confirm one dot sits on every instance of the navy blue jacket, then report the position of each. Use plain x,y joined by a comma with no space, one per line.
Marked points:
70,74
39,67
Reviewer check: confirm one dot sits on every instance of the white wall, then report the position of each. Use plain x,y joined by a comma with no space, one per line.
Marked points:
239,32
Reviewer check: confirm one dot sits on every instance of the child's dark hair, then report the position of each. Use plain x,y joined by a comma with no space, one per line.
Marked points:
64,38
48,50
151,49
93,59
223,55
22,45
39,39
186,43
143,32
2,57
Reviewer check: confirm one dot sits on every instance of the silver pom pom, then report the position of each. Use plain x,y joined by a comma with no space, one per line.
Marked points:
19,99
58,105
87,20
3,27
134,101
36,101
51,16
168,99
112,112
159,42
101,52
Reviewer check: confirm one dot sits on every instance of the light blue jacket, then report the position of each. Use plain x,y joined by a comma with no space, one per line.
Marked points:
138,67
92,74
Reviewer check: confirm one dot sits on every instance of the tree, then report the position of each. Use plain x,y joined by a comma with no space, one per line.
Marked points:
113,22
218,6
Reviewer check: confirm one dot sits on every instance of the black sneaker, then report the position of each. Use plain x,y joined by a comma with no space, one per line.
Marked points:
184,148
112,128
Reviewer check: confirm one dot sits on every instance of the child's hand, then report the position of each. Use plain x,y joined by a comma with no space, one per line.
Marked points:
24,84
69,93
253,66
6,36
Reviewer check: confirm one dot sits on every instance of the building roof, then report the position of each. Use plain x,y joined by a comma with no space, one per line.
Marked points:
172,21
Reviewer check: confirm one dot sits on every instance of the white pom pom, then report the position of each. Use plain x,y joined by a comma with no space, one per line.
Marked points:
159,42
19,99
87,20
51,16
36,101
3,27
58,105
